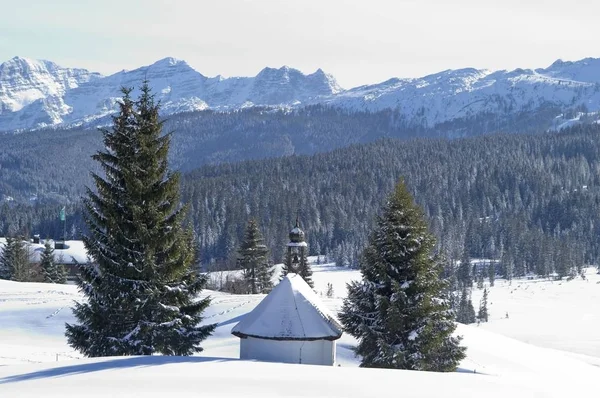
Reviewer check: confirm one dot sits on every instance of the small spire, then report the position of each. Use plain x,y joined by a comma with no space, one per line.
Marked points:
298,219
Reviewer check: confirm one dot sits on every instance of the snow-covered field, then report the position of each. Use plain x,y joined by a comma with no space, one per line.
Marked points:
547,347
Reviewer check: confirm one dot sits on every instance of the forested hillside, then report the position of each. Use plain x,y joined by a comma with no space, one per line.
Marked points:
54,165
532,200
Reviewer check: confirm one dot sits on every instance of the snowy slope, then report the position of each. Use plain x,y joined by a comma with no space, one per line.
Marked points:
32,318
562,315
467,93
217,377
40,93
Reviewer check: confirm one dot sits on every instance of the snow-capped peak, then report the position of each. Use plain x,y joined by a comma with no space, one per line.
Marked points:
24,81
585,70
168,62
39,93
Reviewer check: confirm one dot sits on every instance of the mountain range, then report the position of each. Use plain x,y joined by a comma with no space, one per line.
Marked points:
36,94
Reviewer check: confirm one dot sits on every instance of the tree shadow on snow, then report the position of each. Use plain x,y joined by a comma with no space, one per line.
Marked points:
109,364
232,320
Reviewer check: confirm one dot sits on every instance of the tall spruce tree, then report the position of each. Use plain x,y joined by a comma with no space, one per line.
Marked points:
141,292
254,260
399,312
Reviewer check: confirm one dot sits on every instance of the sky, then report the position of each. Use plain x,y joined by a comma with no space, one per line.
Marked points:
359,42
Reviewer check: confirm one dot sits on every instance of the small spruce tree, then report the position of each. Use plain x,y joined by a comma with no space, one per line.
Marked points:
142,291
305,270
60,273
399,311
254,260
480,279
466,311
482,314
464,272
492,273
329,291
48,265
15,262
6,270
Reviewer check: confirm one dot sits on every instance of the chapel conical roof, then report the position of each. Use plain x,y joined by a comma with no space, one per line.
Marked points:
296,234
292,311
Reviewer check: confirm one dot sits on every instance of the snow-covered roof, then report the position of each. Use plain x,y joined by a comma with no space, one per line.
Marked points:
74,251
297,244
292,311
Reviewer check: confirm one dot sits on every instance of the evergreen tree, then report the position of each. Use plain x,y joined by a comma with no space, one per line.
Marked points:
492,273
52,272
464,272
329,291
15,262
6,270
482,315
286,267
48,265
305,270
466,311
253,260
142,292
399,312
480,279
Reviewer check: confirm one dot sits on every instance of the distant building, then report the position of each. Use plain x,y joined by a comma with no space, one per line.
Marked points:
289,325
69,253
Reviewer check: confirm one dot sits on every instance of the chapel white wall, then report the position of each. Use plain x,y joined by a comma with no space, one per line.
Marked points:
316,352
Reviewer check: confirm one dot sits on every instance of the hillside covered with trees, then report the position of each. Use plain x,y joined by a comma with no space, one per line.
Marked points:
531,200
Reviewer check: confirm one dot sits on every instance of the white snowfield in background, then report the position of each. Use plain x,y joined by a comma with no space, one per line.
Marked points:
545,348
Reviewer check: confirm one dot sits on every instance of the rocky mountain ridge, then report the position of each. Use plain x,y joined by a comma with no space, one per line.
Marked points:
36,94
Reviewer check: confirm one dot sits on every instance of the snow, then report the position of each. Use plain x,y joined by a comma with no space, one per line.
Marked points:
465,93
214,377
548,347
292,311
40,93
297,244
553,314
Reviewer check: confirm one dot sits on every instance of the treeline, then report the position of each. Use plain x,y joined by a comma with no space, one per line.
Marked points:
531,200
52,166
